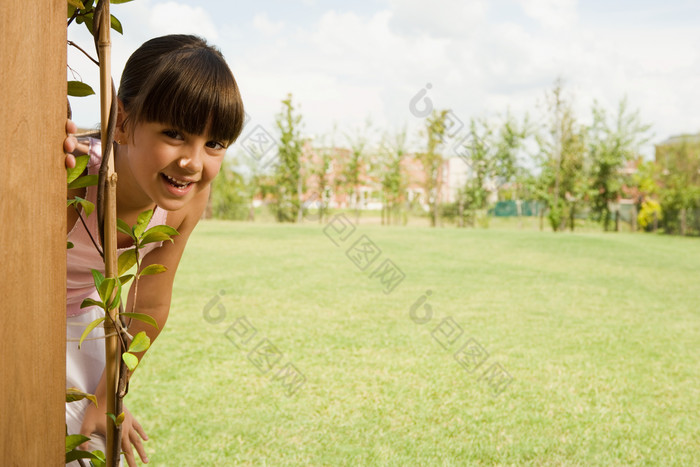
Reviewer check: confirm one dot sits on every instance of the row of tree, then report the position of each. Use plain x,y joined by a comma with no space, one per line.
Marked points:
573,170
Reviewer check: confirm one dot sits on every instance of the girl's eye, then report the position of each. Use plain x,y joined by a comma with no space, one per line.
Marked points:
215,145
174,134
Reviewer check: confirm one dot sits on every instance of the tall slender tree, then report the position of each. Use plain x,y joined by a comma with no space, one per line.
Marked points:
320,167
432,161
289,187
491,155
561,159
612,143
355,166
389,171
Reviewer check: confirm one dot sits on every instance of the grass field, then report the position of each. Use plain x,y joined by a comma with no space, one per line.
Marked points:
595,339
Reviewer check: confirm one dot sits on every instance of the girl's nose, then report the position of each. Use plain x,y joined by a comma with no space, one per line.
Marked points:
192,162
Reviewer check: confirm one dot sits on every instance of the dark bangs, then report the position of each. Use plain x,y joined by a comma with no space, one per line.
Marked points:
190,89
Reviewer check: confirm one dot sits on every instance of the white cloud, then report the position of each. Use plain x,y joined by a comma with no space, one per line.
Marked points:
444,18
556,14
178,18
262,23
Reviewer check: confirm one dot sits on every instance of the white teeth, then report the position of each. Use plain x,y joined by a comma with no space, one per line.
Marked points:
177,182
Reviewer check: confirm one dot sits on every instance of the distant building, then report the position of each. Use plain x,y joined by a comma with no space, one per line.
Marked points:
367,194
677,150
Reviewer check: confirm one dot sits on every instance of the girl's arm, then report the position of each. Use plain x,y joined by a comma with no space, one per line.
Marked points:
153,298
154,291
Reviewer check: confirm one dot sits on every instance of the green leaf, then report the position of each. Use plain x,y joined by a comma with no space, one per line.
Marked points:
126,261
89,328
99,460
131,361
106,289
154,237
97,277
79,89
91,302
142,222
145,217
71,9
75,454
115,24
76,4
117,2
106,292
123,227
166,229
69,245
125,279
117,420
82,182
117,296
81,163
87,206
89,23
73,441
75,394
142,317
152,269
140,343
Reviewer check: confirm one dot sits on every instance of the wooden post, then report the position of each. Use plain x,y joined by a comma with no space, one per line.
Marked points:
33,240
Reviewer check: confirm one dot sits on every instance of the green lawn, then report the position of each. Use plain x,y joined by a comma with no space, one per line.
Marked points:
599,332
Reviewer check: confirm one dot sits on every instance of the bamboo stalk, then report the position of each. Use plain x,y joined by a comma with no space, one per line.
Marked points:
112,345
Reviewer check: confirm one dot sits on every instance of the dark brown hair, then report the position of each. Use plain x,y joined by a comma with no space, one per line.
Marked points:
181,80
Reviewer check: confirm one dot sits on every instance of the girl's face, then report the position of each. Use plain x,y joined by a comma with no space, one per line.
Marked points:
169,166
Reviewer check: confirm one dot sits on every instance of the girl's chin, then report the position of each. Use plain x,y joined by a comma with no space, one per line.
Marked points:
169,204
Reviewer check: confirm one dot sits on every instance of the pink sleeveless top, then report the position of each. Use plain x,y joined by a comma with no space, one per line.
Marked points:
83,257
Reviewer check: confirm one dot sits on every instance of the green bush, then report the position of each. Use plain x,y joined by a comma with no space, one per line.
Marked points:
650,209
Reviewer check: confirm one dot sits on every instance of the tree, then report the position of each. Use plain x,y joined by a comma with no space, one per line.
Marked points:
479,157
389,171
612,143
321,163
679,180
492,160
230,194
561,182
353,170
432,161
289,187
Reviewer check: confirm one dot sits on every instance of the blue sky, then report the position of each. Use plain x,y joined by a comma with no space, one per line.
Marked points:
346,62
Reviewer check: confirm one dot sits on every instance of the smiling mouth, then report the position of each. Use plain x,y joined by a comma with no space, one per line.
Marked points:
175,182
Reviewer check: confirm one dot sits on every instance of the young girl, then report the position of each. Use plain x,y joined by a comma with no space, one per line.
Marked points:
179,109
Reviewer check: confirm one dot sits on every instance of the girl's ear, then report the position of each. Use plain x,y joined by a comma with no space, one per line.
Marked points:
121,134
